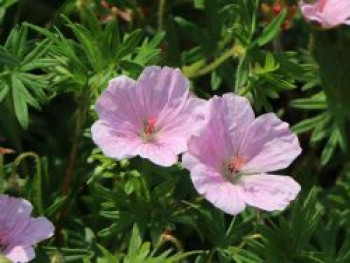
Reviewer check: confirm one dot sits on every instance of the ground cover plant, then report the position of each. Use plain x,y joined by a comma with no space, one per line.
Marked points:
175,131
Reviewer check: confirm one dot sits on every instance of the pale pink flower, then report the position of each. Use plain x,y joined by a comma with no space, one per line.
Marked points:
151,117
19,231
327,13
229,157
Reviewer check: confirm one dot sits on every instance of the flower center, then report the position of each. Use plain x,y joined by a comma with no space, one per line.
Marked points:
149,129
150,124
233,168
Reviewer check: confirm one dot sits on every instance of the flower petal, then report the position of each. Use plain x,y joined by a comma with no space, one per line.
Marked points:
269,192
115,143
177,129
238,111
118,104
269,145
161,89
37,230
21,254
328,14
214,187
158,153
212,143
17,214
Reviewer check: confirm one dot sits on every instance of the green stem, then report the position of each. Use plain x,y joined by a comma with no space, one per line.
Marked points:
161,10
37,197
146,178
230,228
217,62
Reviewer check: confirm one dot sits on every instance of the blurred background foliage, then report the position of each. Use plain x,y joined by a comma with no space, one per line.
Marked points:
57,56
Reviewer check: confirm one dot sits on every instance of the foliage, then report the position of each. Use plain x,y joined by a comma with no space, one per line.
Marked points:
54,66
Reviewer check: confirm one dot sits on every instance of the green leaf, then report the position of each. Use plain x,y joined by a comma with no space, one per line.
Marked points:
37,52
272,29
135,243
309,124
317,102
198,4
215,80
129,44
329,149
4,89
7,58
20,102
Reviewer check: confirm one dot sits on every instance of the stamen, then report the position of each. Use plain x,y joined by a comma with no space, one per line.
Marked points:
150,126
236,164
233,168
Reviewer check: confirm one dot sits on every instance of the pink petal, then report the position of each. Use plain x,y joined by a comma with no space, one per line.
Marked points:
238,111
214,187
17,214
328,14
212,144
158,153
269,192
37,230
119,105
269,145
116,143
160,89
21,254
178,127
160,94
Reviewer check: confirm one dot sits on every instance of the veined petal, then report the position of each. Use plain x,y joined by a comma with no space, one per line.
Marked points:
152,117
118,143
17,214
37,230
212,142
238,112
328,13
269,192
19,231
158,153
269,145
214,187
160,89
21,254
118,104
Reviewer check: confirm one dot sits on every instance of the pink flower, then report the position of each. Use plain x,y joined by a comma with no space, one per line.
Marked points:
327,13
19,231
229,157
151,117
